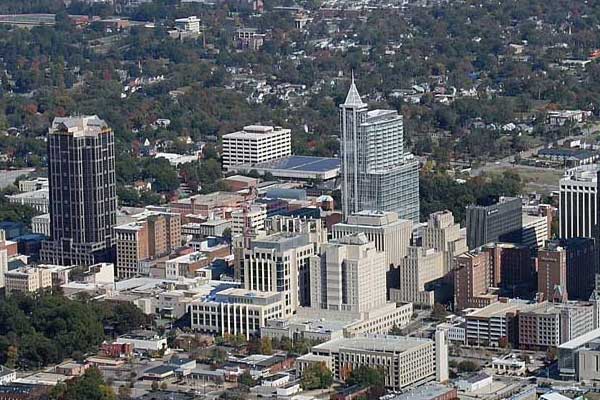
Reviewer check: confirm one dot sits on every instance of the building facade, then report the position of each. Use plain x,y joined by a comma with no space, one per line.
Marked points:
501,221
377,174
390,234
348,276
419,268
443,234
27,280
83,198
578,202
472,280
256,144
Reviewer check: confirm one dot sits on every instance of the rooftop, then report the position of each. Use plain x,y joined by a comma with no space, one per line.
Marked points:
90,125
257,132
382,343
501,308
581,340
426,392
302,164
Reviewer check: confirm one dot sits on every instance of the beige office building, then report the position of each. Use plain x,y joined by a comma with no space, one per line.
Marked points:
420,267
27,280
236,312
256,144
349,275
390,234
278,263
443,234
252,219
405,361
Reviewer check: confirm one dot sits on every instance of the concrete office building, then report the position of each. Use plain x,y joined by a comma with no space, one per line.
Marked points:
472,281
499,222
212,227
192,265
377,173
278,263
405,361
83,198
418,269
567,269
314,228
579,358
551,324
256,144
390,234
188,24
348,276
443,234
253,220
27,280
153,235
578,202
237,312
535,231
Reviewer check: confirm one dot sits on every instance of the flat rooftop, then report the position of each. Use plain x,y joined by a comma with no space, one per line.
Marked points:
381,343
581,340
302,163
425,392
501,308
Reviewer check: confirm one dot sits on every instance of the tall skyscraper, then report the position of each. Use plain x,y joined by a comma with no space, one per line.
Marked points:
443,234
83,198
377,174
579,202
501,221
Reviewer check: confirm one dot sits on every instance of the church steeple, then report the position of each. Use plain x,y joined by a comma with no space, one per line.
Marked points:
353,98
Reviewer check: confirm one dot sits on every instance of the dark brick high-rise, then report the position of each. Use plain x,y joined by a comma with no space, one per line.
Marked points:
83,199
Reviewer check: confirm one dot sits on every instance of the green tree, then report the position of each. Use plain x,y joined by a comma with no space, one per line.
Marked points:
90,386
366,377
316,376
247,380
468,366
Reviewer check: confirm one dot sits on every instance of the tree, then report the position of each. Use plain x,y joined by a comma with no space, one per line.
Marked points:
124,393
154,386
366,377
468,366
439,312
266,346
218,356
247,380
90,386
395,331
164,386
316,376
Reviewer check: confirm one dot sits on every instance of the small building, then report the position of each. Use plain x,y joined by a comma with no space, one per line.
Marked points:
474,382
145,341
159,373
71,369
508,365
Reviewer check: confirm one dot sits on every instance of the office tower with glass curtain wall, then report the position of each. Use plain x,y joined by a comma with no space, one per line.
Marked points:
377,174
83,199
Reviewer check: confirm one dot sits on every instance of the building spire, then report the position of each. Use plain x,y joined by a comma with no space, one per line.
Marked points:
353,98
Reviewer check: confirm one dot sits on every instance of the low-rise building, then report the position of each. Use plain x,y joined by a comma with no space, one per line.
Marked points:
579,358
37,199
27,280
144,341
236,311
7,375
474,382
550,324
508,365
429,392
405,361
